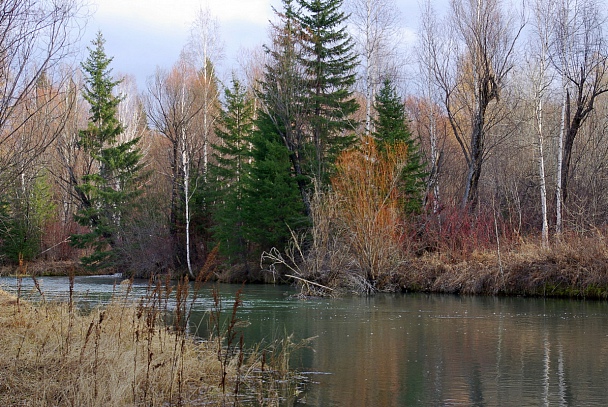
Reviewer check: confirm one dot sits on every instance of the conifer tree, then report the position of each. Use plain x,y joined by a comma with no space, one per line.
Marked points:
234,127
391,127
329,64
108,189
283,91
273,204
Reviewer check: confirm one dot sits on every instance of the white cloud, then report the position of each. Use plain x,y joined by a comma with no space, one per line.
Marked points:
172,13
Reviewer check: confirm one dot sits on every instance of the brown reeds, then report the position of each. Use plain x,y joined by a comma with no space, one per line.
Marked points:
124,353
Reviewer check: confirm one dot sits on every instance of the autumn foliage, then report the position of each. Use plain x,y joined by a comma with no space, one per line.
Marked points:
367,186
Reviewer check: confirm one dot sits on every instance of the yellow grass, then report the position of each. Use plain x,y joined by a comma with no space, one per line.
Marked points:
52,355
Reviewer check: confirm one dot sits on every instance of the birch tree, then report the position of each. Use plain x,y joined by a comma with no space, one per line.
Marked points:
173,105
541,81
204,51
427,52
375,26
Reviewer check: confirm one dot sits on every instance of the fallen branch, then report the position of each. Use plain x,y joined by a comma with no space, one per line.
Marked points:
309,282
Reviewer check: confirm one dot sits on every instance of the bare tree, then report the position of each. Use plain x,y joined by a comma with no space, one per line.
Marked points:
470,56
131,114
204,50
173,104
580,55
426,53
35,40
541,79
374,26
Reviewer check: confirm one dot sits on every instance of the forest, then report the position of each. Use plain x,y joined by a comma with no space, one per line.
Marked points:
337,158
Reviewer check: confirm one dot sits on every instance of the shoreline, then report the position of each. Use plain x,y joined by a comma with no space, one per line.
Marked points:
556,273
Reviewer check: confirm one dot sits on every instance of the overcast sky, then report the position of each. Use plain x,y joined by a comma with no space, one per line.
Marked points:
144,34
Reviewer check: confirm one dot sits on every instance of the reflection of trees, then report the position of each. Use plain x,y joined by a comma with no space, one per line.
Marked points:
468,351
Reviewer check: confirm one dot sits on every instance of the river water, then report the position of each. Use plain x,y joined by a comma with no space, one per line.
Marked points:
413,349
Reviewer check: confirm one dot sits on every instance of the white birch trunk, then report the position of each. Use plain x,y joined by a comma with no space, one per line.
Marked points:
539,94
560,162
541,173
186,171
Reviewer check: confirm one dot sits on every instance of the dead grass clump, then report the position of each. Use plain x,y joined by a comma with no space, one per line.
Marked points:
121,354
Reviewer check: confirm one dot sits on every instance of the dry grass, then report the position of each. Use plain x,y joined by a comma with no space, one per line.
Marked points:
576,266
121,354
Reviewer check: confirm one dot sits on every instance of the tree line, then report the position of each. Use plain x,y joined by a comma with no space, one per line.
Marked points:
314,159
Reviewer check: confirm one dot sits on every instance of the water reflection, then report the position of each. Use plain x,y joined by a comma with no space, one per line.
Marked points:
429,350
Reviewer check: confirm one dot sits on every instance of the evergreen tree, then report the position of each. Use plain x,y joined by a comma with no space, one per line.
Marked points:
273,204
329,64
234,127
108,189
283,92
391,127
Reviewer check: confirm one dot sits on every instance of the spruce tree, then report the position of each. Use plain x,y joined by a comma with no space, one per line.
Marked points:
273,205
108,189
234,127
283,92
391,127
329,64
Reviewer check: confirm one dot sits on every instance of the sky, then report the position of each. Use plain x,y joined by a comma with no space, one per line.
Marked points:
142,35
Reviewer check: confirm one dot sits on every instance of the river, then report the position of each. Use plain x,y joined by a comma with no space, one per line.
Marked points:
412,349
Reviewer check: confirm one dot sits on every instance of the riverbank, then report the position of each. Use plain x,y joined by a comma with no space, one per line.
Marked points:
45,269
125,354
576,268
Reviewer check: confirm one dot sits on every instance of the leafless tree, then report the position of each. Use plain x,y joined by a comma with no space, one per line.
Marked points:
580,53
36,37
132,115
173,104
426,53
470,56
375,27
541,79
204,51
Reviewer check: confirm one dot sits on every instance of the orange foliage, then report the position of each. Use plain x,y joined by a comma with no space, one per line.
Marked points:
366,187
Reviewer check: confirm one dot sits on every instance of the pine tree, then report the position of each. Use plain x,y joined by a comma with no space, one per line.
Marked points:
391,127
329,64
234,127
108,189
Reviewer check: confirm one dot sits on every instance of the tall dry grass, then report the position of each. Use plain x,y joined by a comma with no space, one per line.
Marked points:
126,353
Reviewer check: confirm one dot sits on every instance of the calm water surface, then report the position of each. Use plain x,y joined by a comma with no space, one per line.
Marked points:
414,349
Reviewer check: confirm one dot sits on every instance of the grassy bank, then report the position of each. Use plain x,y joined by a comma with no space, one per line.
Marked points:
124,354
576,267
